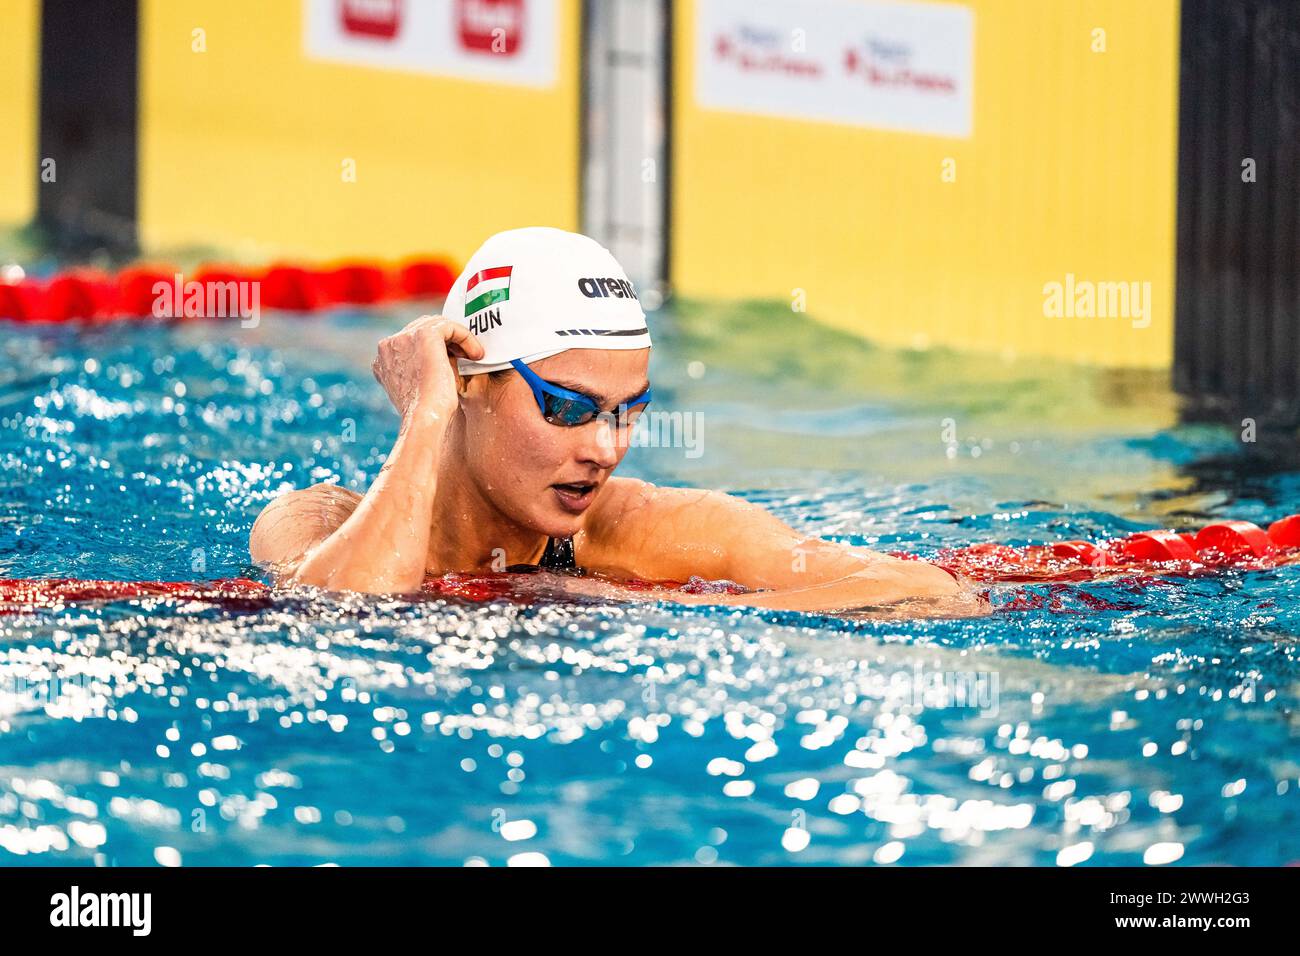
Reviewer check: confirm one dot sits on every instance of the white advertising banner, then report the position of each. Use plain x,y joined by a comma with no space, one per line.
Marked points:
499,41
899,66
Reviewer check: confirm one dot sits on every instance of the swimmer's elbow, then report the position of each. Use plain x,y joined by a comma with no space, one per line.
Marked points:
270,543
898,579
262,539
930,580
293,524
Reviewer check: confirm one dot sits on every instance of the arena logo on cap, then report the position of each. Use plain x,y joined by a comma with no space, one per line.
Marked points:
604,288
485,288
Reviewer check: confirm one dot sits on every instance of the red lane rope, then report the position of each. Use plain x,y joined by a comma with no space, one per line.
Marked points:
1225,544
1149,554
154,291
479,588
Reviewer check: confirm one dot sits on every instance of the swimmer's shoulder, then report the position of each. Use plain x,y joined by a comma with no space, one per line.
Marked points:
615,525
622,498
619,499
649,530
298,520
617,496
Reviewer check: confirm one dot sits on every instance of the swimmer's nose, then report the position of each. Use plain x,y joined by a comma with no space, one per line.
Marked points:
599,445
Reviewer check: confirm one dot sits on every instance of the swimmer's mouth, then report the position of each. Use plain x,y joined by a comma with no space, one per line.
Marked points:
577,495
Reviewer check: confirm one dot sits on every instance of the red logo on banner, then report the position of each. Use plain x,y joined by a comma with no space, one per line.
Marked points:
371,18
490,26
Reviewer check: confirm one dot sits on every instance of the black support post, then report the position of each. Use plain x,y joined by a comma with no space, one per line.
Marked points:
88,125
1237,327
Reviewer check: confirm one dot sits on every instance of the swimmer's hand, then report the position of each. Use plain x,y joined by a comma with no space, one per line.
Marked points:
417,365
378,544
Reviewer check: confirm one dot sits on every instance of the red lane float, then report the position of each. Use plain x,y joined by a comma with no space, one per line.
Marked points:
292,289
1285,533
1224,544
1230,540
135,289
426,278
47,592
87,295
20,302
357,285
1153,546
18,593
83,295
1085,552
1146,554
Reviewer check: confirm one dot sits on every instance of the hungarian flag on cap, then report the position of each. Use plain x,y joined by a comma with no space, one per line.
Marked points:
487,287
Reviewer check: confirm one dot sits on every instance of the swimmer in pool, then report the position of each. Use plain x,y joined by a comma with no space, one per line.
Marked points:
516,405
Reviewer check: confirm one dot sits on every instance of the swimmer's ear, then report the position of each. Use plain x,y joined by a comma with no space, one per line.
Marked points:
462,381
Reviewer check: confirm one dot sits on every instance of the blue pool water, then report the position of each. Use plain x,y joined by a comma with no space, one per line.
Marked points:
317,731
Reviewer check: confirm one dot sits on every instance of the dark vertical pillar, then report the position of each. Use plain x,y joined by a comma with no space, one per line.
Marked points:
626,103
1237,328
88,125
1281,295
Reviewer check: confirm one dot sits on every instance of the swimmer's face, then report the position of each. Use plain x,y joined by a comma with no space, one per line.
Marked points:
546,476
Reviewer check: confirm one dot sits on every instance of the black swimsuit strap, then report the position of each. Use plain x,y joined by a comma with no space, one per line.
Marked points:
558,556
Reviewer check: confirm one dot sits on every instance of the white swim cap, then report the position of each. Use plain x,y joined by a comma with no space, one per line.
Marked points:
533,292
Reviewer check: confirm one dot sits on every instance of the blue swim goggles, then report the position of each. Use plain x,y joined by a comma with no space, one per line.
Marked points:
562,407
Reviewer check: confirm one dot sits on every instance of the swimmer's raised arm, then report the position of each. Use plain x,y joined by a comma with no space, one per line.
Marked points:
382,545
673,533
